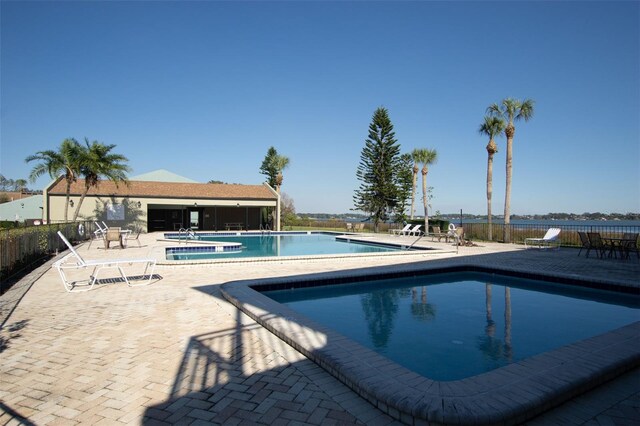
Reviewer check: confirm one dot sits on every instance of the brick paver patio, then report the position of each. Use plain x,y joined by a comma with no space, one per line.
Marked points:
177,352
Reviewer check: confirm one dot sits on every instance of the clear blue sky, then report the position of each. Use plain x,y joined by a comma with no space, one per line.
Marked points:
204,88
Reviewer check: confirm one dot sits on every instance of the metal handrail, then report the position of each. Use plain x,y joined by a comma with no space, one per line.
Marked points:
188,232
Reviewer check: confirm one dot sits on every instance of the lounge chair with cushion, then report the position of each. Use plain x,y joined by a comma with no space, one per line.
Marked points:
402,231
550,239
67,262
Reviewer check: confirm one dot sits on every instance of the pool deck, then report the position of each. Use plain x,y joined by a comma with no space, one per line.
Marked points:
177,351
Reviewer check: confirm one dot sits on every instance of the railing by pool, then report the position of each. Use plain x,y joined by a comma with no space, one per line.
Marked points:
568,237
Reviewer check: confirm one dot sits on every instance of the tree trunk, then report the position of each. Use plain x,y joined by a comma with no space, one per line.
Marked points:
489,193
413,193
424,199
66,204
509,132
84,194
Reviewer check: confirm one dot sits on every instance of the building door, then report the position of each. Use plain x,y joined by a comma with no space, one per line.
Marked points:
195,219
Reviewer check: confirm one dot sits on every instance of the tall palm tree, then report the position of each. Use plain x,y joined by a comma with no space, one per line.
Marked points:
492,127
64,162
280,162
426,157
416,160
97,162
511,110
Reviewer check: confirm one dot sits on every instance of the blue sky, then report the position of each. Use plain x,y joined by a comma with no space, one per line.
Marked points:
204,88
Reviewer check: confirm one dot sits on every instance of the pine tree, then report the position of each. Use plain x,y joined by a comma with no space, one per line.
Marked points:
377,170
404,183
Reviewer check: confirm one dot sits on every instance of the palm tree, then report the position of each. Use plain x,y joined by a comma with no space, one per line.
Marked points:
426,157
97,162
20,185
280,162
512,110
492,127
416,160
64,162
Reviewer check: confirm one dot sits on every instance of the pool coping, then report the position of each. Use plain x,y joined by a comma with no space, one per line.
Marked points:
160,252
507,395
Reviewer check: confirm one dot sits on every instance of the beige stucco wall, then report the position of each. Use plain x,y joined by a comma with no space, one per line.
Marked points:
95,208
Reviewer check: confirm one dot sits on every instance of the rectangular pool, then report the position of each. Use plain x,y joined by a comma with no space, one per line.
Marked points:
281,244
450,326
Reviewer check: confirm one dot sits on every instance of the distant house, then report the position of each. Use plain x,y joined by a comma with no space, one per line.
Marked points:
164,201
28,208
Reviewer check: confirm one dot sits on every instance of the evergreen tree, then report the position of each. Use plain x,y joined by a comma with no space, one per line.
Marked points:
269,168
377,170
404,184
272,167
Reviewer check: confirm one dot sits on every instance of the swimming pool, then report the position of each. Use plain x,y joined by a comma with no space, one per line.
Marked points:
506,395
274,244
456,325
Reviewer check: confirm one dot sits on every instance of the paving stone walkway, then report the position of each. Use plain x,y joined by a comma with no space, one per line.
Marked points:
176,352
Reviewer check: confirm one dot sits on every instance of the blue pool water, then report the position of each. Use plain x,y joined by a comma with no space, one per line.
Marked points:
455,325
281,245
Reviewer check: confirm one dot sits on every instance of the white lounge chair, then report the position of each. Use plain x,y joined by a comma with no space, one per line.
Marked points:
550,239
415,231
402,231
97,265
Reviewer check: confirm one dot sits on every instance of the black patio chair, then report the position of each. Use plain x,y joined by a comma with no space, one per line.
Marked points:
631,244
596,243
586,244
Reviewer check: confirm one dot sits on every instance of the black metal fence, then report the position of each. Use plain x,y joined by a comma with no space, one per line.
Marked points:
23,249
568,235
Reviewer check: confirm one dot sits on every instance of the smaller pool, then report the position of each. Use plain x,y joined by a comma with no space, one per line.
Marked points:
454,325
271,245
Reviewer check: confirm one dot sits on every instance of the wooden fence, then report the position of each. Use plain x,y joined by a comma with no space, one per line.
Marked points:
22,248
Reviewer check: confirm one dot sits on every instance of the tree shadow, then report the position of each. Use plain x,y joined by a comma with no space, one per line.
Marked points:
232,376
13,332
119,213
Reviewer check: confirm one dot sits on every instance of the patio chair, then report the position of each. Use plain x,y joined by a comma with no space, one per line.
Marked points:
97,265
595,240
451,232
459,237
131,237
438,234
550,239
98,234
586,243
631,244
402,231
113,234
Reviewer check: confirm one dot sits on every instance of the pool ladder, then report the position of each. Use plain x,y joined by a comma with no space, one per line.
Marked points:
265,228
188,233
